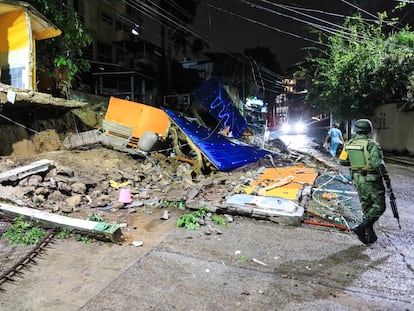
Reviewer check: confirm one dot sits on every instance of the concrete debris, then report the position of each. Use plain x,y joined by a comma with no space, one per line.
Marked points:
65,184
259,262
165,215
24,171
281,210
109,231
137,243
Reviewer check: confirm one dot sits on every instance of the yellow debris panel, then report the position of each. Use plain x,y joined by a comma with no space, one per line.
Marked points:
291,179
141,118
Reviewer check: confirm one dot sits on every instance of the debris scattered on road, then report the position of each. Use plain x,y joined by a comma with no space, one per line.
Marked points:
165,215
137,243
178,163
259,262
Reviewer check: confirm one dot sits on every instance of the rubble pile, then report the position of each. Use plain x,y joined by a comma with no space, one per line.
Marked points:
92,179
175,161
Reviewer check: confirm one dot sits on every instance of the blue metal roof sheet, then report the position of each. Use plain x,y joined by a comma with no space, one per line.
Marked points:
212,96
223,152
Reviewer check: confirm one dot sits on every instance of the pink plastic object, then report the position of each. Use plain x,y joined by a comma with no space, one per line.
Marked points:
125,195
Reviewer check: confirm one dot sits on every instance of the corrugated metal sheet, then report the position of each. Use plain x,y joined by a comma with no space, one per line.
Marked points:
214,98
223,152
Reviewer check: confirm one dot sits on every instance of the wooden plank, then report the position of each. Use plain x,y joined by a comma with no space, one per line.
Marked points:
24,171
109,231
281,182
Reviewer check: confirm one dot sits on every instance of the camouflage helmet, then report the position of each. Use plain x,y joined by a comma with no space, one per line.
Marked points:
363,126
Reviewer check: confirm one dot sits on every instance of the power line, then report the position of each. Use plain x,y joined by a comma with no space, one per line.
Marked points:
264,25
344,33
317,26
359,9
156,13
179,8
185,27
332,14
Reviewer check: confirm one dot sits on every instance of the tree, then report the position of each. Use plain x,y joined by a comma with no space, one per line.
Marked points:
367,67
63,52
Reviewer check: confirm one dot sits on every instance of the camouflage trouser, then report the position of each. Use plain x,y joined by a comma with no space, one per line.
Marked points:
371,193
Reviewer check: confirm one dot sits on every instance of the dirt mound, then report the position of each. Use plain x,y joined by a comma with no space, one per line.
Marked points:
41,142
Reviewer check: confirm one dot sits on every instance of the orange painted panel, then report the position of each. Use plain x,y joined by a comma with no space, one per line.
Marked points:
140,117
301,176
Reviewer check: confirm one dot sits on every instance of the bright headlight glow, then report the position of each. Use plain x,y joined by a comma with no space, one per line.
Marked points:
285,127
299,127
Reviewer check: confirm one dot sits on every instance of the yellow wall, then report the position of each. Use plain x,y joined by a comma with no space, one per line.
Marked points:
19,28
15,49
13,31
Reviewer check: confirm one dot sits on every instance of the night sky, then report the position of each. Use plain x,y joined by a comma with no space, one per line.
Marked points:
226,32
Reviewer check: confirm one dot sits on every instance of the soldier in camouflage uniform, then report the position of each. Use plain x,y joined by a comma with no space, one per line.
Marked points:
368,172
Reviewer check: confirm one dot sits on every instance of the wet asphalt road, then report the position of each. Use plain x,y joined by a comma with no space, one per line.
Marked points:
252,265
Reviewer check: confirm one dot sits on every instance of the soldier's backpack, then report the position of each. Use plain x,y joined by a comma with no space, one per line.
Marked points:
358,154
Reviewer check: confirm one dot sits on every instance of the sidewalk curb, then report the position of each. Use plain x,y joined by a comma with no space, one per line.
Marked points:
399,161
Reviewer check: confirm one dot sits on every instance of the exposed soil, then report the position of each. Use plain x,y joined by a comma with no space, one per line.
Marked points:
41,142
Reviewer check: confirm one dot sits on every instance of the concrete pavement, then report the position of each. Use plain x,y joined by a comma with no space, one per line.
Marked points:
251,265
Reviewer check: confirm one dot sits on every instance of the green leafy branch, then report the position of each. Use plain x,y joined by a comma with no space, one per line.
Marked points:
190,220
24,232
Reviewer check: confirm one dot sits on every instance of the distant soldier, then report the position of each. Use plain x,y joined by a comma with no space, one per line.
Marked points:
368,172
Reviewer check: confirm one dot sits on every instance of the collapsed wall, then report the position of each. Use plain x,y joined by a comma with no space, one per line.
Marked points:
28,128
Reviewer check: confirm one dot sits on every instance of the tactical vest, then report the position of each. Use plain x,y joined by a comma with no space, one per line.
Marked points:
358,154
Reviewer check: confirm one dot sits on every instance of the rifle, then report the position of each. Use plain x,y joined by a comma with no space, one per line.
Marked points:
393,203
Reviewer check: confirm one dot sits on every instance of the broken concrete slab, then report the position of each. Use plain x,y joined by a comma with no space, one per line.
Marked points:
277,209
102,229
27,170
28,97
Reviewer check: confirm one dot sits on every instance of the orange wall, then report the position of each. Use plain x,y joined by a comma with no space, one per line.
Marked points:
139,117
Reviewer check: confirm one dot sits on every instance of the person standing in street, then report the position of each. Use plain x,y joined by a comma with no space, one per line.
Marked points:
334,138
368,172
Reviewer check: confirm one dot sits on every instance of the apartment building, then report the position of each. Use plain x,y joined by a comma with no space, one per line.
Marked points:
123,63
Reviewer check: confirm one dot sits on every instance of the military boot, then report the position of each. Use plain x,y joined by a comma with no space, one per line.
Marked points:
361,231
370,233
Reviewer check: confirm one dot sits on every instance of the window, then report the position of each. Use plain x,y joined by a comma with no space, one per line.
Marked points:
107,19
104,52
